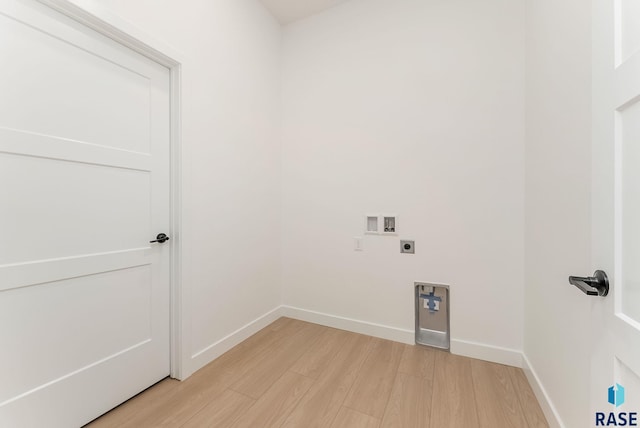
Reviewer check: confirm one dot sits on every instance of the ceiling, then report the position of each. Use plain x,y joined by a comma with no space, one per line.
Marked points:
287,11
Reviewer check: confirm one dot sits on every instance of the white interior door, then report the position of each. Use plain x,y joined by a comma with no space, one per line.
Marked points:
616,211
84,187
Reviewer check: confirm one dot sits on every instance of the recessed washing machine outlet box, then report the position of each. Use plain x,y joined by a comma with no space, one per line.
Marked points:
389,224
371,225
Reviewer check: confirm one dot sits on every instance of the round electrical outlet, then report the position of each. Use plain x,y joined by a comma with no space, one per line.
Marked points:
407,247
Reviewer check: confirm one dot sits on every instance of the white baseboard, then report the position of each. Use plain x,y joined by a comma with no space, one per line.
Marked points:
481,351
459,347
356,326
548,408
213,351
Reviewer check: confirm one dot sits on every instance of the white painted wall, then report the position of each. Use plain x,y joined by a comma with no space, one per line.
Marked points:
416,108
557,243
231,119
400,106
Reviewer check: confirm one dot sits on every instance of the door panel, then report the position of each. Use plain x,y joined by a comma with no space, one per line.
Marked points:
98,84
628,131
631,381
53,343
616,207
84,162
89,208
627,29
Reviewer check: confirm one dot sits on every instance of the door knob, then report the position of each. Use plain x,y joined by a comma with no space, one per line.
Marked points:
596,285
160,238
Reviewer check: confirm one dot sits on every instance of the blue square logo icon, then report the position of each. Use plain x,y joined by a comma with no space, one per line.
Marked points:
616,395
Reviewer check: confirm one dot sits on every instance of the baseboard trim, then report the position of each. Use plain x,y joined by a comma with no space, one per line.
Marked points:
549,410
213,351
349,324
459,347
481,351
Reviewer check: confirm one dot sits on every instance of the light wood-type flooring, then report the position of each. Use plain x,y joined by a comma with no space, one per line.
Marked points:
297,374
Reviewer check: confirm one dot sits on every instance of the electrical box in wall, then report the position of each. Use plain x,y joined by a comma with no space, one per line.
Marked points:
371,225
376,224
432,315
389,224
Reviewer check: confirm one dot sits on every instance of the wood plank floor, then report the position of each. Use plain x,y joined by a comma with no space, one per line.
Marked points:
297,374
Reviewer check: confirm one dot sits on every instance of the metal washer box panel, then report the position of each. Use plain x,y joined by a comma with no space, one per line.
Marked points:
432,315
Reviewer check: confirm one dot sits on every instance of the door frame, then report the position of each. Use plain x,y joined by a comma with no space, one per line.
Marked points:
96,17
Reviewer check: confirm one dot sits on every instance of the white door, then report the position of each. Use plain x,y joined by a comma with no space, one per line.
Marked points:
84,188
615,370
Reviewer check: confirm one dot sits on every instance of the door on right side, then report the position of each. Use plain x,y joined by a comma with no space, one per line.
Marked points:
615,319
